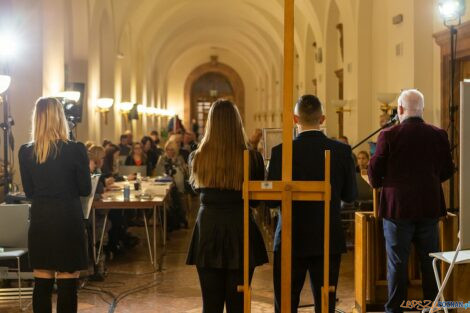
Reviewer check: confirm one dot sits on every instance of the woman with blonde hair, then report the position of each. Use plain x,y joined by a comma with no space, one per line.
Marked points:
217,244
55,174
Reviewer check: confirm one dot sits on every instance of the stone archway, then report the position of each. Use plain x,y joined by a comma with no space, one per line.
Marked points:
219,68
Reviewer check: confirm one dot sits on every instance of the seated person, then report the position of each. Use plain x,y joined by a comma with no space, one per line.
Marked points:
152,153
172,164
139,158
111,164
124,148
362,161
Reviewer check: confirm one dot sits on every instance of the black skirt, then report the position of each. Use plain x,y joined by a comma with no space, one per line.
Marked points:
57,235
217,240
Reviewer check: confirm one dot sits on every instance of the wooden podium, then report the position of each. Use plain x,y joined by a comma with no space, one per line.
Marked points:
370,260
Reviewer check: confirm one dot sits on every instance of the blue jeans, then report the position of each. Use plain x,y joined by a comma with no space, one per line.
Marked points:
399,234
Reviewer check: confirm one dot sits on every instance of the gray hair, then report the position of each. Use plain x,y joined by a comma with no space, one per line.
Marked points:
412,101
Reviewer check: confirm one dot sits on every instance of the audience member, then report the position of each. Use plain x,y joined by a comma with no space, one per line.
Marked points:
178,139
175,126
172,164
88,144
124,147
217,243
343,139
156,138
139,158
189,142
106,143
152,152
130,137
362,161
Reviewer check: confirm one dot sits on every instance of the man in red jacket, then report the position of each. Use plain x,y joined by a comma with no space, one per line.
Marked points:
411,161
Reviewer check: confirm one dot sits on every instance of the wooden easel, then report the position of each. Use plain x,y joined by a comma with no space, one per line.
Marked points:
287,190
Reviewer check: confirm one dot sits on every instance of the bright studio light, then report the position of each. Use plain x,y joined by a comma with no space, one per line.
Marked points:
8,45
5,81
451,10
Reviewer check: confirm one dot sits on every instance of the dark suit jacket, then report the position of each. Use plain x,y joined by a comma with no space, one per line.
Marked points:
411,161
309,165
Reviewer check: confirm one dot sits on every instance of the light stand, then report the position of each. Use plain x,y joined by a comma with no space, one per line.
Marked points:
6,126
452,109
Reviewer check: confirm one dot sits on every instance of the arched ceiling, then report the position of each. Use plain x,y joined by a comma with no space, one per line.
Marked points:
254,27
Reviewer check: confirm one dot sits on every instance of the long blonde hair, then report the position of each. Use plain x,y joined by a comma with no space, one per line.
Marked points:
49,127
218,162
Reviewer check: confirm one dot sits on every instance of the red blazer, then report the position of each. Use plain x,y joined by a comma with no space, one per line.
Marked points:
411,161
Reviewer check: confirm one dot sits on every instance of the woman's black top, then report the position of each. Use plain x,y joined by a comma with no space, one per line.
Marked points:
67,176
217,240
57,238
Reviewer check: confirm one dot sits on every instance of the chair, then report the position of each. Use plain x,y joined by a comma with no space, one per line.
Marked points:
14,224
453,258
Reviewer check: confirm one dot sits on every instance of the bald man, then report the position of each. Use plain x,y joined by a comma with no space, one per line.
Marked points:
411,161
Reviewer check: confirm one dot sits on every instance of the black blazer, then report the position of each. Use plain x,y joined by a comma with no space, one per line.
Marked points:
307,217
65,177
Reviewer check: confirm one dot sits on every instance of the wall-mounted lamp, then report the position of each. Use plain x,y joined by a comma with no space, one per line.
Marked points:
141,109
5,81
104,105
386,99
69,95
125,107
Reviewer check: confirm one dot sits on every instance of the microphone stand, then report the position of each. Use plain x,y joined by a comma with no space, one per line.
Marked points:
392,121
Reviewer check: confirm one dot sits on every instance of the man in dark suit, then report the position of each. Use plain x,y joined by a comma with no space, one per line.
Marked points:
411,161
307,217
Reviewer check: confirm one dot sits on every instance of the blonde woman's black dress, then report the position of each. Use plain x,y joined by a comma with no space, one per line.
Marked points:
57,236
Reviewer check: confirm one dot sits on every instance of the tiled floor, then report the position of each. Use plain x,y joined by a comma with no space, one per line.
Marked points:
176,288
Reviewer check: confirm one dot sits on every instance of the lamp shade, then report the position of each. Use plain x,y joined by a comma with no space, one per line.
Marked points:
386,97
4,83
126,106
141,109
104,104
339,103
69,95
451,10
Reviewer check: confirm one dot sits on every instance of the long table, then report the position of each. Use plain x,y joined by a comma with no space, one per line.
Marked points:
152,195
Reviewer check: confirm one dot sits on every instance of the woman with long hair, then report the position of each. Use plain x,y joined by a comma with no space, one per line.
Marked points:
55,174
217,244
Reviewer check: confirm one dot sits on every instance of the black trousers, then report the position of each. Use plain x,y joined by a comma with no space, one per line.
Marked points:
219,287
300,266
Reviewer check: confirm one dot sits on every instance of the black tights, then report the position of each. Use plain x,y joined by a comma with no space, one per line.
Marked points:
66,295
219,287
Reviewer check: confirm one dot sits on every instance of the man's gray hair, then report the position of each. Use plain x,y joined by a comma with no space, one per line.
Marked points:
412,100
